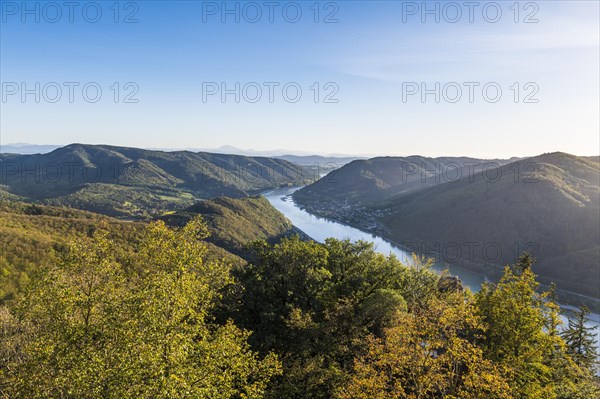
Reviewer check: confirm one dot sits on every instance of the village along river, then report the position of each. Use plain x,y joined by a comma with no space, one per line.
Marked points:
319,229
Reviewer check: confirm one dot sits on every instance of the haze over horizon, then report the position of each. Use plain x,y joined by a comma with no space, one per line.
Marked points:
364,61
230,149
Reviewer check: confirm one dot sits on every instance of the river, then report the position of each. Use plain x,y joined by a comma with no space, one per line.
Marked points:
319,229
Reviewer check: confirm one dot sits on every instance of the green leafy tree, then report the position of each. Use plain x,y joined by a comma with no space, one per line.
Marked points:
521,335
430,353
96,327
315,304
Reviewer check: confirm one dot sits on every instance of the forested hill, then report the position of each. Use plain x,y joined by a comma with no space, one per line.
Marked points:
547,204
233,223
31,235
121,181
552,209
372,180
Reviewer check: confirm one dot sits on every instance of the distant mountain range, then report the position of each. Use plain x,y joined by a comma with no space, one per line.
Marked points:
24,148
298,157
120,181
548,205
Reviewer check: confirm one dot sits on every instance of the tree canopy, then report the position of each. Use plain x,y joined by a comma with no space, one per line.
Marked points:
91,326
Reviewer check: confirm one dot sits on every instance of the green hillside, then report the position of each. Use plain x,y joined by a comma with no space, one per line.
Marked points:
122,181
552,210
32,235
233,223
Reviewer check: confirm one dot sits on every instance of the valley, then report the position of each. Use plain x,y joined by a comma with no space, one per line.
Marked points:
547,205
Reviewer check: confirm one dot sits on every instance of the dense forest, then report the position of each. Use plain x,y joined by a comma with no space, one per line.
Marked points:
144,310
32,235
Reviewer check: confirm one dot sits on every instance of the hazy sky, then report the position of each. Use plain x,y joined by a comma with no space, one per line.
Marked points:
361,68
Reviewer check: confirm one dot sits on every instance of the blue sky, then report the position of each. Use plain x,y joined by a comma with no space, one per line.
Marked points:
367,61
